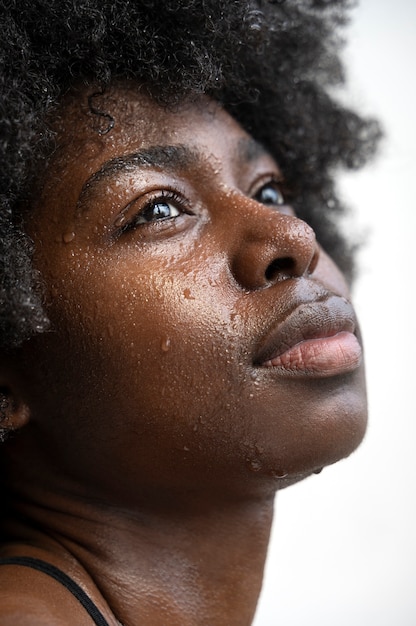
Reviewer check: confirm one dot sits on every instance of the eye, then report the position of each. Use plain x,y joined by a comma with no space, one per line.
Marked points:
167,205
270,194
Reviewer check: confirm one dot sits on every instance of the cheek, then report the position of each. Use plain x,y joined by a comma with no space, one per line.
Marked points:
153,372
149,337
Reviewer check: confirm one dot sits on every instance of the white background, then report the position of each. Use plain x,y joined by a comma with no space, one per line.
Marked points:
343,550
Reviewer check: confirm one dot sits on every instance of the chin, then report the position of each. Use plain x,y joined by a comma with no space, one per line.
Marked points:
326,428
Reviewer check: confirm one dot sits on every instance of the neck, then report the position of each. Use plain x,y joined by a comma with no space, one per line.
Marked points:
200,566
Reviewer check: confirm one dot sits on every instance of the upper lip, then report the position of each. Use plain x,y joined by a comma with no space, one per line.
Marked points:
315,319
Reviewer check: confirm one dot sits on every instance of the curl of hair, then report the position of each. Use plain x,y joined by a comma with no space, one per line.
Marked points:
272,63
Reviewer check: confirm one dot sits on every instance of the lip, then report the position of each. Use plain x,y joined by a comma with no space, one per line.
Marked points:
315,339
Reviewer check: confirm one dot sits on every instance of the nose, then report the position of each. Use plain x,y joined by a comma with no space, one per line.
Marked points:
271,247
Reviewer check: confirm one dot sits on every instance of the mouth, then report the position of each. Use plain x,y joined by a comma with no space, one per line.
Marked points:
315,339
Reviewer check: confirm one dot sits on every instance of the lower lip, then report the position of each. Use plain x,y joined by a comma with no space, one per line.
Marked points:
324,356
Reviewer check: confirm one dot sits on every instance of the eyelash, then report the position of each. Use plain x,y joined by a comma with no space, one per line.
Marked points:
166,197
169,197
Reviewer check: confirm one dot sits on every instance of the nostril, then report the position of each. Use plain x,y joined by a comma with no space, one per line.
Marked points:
280,268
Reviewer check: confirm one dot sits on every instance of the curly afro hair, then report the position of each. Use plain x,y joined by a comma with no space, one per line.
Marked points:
273,64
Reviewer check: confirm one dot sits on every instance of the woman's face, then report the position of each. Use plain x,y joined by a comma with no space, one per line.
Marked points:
200,338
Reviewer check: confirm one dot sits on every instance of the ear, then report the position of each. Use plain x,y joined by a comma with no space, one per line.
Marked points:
14,414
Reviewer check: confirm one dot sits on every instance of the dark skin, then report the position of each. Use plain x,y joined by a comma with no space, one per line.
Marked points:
203,353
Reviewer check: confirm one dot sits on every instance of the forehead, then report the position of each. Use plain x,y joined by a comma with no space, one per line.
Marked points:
92,122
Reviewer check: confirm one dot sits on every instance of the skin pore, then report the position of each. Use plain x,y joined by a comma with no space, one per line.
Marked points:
160,414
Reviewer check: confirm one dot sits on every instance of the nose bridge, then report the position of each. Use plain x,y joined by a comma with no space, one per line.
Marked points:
269,246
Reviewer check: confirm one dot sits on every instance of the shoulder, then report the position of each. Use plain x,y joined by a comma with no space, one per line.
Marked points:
30,598
19,610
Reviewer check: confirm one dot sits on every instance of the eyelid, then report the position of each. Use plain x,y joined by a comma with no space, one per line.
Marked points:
269,175
123,222
273,178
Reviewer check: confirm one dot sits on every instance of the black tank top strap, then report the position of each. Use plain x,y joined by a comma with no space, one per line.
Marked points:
64,579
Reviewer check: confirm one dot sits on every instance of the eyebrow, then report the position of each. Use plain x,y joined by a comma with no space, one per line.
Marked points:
167,157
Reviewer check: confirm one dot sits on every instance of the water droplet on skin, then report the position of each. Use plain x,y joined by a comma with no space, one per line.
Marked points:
281,474
165,344
120,221
187,294
68,236
254,465
318,471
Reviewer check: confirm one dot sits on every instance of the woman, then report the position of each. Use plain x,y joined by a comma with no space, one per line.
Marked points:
178,341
